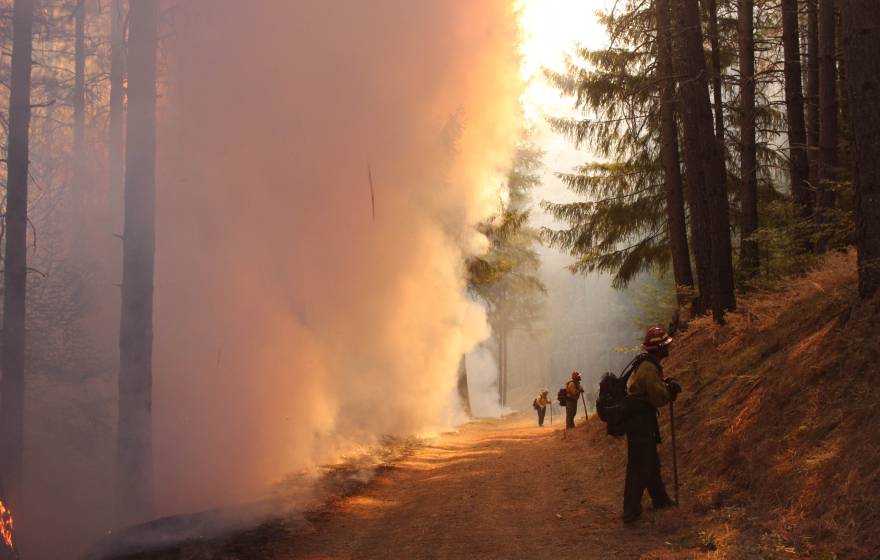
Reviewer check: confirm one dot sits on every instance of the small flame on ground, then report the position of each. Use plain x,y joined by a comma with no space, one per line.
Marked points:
6,526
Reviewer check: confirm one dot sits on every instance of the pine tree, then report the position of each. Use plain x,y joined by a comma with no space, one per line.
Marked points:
675,214
620,225
828,122
748,152
860,41
799,168
709,212
506,279
12,360
136,328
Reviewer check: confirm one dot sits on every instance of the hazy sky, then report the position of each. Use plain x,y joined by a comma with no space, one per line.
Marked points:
552,28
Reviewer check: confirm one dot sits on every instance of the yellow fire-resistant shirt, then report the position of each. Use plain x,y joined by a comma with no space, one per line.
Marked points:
543,400
574,389
646,383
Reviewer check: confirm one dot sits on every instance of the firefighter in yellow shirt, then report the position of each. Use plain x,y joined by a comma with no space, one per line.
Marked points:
573,392
540,404
647,391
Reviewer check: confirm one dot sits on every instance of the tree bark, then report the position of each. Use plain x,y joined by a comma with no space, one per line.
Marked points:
675,215
710,222
813,96
134,468
715,59
15,259
117,99
502,365
79,84
860,41
463,391
828,121
799,168
78,166
748,193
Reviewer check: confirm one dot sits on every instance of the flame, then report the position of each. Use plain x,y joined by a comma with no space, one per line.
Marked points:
7,525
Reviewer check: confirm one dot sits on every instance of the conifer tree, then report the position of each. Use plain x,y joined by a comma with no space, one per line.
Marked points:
748,152
134,464
506,279
620,225
794,105
861,37
12,352
709,212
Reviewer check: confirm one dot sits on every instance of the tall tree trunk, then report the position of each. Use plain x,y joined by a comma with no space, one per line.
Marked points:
117,100
15,261
79,84
799,169
813,95
828,121
463,391
710,223
502,362
78,167
844,157
134,468
675,216
860,40
715,59
748,193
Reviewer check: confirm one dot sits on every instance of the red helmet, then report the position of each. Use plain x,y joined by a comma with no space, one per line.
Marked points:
656,338
575,376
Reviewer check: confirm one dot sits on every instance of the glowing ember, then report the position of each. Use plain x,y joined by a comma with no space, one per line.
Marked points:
6,526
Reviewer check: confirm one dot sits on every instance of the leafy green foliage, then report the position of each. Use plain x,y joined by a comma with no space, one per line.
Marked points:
506,278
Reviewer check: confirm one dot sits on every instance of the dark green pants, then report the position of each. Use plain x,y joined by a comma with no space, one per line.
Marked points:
642,473
541,413
571,408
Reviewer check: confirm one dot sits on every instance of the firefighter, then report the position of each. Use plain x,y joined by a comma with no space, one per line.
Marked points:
647,392
573,392
540,404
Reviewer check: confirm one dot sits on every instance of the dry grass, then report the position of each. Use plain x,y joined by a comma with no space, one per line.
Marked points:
779,441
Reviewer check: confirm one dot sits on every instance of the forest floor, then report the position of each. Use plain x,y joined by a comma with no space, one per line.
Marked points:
501,489
778,442
494,489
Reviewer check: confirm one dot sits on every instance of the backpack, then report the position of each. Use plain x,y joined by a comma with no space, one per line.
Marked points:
562,397
535,405
612,396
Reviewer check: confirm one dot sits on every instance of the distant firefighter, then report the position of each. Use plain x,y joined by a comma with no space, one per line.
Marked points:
573,392
647,392
540,404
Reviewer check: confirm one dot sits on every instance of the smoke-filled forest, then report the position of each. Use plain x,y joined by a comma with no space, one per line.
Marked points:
293,279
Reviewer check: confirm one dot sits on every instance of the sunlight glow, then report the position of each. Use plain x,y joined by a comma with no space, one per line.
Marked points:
551,29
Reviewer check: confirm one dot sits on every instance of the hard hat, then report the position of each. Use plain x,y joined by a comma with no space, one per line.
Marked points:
575,376
656,338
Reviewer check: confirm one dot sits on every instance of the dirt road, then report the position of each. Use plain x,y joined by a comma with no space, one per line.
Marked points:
500,489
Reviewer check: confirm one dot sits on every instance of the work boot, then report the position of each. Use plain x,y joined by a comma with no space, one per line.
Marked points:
631,517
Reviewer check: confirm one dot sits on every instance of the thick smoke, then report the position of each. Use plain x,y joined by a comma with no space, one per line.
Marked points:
291,323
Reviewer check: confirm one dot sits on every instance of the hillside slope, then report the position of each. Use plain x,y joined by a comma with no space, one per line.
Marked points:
778,434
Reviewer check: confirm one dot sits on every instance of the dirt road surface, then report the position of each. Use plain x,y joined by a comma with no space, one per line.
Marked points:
496,489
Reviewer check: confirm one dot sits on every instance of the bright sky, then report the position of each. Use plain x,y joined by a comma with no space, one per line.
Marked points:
551,29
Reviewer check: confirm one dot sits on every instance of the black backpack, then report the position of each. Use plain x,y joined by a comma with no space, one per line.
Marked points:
612,395
562,397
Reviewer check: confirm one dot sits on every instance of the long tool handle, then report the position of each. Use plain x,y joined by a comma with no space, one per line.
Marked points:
583,400
674,453
550,406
